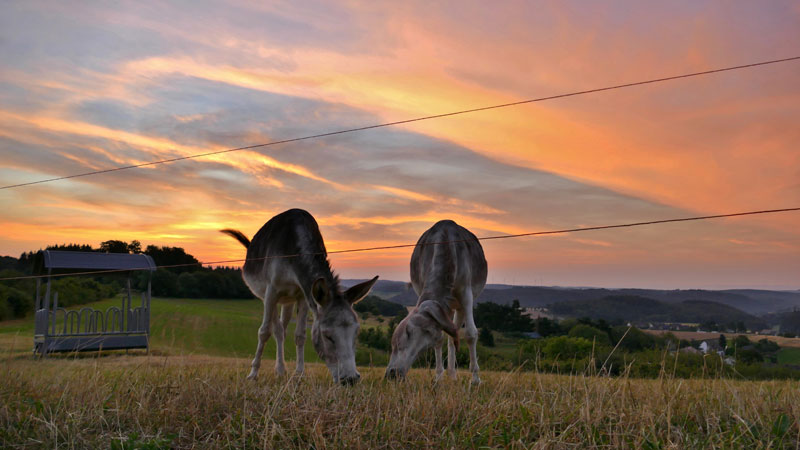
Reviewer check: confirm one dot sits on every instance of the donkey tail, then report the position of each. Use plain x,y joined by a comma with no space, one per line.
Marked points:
238,235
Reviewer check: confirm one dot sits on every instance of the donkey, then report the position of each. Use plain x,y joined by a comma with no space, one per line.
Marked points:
287,265
448,271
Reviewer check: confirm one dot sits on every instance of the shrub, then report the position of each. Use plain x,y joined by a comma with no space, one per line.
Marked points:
15,303
563,347
4,309
635,341
485,337
80,290
590,333
375,338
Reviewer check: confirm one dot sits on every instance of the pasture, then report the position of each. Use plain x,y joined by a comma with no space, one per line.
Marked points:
190,391
199,401
703,335
185,327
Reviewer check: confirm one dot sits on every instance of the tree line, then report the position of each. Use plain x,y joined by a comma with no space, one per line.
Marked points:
190,280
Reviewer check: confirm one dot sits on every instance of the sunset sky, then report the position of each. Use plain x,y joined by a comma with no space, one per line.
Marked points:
88,86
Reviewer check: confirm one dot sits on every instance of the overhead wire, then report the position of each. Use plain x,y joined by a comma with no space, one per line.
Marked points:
401,122
390,247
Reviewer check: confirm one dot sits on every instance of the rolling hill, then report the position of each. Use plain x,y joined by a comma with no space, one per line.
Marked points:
630,308
750,301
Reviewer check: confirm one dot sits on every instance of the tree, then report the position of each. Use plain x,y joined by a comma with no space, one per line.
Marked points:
749,356
741,341
485,337
135,247
169,256
635,340
546,327
502,317
723,342
114,246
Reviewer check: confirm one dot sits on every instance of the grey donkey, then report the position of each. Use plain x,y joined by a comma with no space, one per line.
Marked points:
448,271
287,265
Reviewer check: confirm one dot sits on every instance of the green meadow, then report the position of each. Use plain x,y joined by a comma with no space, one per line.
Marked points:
186,327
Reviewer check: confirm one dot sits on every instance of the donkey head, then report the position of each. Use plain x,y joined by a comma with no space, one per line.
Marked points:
420,330
336,327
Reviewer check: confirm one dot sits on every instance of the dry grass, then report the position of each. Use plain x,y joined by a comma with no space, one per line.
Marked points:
181,402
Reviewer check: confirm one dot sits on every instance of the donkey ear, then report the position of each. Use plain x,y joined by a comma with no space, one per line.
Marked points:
437,313
359,291
320,292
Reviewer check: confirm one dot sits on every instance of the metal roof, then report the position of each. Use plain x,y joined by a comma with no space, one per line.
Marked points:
53,259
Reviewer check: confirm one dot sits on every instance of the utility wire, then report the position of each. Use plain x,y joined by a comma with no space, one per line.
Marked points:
400,122
388,247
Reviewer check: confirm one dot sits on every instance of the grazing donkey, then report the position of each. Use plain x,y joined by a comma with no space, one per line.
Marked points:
448,271
287,265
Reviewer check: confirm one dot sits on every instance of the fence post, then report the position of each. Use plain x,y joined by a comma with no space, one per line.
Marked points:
55,311
38,297
147,320
127,313
46,315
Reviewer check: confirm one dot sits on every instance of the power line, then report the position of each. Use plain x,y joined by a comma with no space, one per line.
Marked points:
389,247
401,122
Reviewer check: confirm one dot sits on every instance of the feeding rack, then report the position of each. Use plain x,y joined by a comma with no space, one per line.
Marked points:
86,329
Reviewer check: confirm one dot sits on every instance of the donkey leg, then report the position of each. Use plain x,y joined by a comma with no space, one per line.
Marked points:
472,337
451,347
280,336
300,334
265,331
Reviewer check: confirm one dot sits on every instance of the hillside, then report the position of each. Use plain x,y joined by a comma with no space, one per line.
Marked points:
750,301
630,308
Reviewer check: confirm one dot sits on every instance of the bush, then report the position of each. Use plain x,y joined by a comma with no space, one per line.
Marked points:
14,303
749,356
375,338
563,347
80,290
5,311
590,333
635,341
485,337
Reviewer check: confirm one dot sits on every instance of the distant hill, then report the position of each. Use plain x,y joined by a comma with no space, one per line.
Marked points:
384,289
632,308
750,301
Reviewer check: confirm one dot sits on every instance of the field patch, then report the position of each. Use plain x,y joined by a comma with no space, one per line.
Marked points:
201,401
185,326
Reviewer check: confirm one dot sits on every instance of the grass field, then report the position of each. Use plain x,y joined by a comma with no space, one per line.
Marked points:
701,336
789,355
185,327
190,391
